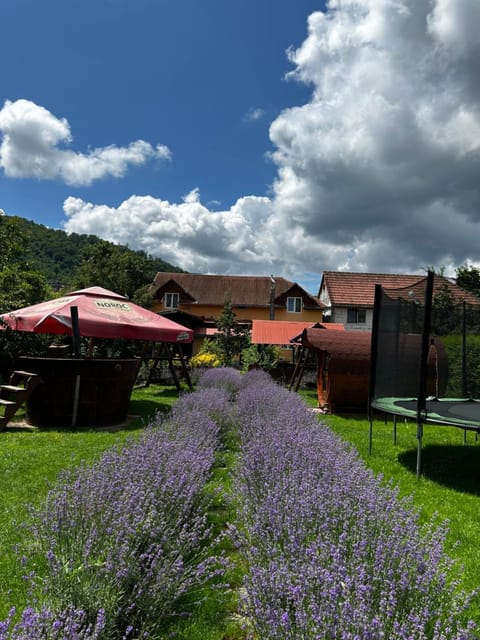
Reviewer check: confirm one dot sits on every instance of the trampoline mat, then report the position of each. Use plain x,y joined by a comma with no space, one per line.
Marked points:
457,412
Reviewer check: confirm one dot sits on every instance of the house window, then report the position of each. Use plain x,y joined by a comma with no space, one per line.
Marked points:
356,316
170,300
294,305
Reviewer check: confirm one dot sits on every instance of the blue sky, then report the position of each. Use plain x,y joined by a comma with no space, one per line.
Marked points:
249,137
186,74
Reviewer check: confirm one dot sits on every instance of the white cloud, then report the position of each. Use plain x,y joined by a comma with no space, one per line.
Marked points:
382,165
254,114
379,171
186,234
454,24
31,148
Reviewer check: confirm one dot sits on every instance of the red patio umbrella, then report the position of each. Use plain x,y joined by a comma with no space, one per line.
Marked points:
101,314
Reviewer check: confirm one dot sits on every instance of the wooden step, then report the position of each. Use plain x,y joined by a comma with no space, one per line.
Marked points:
27,374
14,394
6,403
23,377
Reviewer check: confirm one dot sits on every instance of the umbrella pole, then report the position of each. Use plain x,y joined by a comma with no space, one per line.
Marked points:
76,395
75,331
76,354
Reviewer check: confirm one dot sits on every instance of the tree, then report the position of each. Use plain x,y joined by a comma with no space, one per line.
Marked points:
264,356
12,242
232,337
445,312
114,267
468,277
20,286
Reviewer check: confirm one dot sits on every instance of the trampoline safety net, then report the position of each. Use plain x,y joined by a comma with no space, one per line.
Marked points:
425,345
398,331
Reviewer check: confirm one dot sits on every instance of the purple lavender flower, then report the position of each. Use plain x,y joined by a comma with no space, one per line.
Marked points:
332,553
129,535
71,624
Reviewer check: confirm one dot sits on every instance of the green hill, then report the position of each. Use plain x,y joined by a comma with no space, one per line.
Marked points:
71,260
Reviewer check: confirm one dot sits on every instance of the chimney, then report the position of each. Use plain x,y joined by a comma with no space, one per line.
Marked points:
272,298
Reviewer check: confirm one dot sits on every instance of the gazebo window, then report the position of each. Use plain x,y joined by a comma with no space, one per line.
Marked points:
170,300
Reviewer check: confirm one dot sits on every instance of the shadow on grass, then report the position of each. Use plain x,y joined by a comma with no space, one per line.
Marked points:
134,423
159,392
454,466
145,403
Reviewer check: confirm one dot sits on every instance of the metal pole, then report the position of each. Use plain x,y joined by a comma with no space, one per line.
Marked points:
370,435
75,331
76,354
419,447
76,396
422,391
373,362
464,352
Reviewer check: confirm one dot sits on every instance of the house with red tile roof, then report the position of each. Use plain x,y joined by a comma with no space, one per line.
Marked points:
197,300
349,297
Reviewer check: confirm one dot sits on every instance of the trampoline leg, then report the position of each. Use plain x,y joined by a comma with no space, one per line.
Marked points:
370,435
394,430
419,447
464,436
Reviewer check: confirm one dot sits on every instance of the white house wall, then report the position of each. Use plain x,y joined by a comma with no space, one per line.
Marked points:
340,315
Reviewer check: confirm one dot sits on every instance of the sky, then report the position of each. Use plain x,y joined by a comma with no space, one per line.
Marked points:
259,137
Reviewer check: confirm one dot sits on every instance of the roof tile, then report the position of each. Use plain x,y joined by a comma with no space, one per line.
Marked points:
243,290
282,331
358,289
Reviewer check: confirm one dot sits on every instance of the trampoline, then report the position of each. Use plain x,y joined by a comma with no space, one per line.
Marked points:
453,412
425,358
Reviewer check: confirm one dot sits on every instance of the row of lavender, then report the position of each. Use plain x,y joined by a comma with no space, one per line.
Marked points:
332,552
120,545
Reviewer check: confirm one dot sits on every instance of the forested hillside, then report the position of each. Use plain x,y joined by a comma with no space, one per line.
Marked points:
58,256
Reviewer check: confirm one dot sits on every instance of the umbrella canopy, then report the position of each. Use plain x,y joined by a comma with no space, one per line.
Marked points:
101,314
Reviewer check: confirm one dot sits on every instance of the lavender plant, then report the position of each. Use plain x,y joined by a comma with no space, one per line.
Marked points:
33,625
222,378
332,553
129,536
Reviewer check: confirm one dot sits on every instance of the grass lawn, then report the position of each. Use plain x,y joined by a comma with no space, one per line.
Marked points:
449,485
30,461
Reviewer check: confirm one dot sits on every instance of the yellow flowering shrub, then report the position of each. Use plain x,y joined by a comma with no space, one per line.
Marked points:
205,360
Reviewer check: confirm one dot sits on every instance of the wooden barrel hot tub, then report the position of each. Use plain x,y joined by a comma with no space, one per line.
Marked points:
79,392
